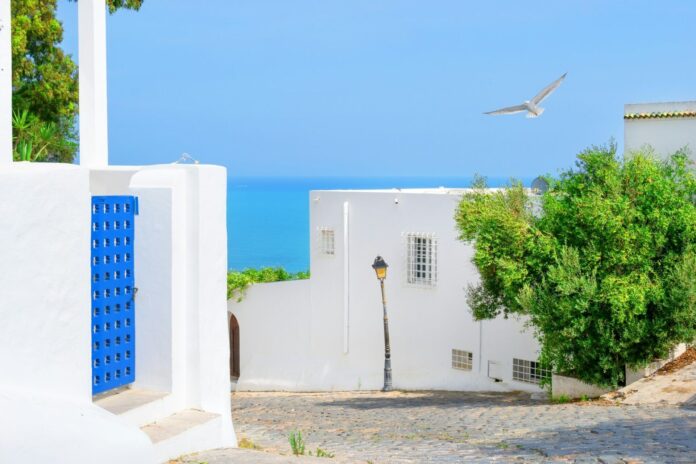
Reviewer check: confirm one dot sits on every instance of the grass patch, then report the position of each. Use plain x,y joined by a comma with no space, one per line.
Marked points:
297,443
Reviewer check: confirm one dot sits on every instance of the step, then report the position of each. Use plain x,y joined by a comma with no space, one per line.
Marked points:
184,432
138,406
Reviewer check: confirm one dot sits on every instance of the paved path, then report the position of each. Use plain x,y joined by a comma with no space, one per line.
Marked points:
452,427
674,388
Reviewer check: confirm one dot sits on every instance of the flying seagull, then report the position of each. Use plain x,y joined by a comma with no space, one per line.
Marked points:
532,106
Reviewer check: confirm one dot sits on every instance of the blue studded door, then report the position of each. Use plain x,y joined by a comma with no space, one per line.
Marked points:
113,292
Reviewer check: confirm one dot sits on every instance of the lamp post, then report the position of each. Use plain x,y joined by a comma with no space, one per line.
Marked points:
380,267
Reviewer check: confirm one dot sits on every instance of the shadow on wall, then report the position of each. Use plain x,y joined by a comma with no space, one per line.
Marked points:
233,327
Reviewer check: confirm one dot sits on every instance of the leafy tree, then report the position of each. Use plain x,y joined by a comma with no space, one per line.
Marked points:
603,263
44,78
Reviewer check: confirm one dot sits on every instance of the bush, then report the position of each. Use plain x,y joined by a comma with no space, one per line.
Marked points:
239,281
297,443
603,268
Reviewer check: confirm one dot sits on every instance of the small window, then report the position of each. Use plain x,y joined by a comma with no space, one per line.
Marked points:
421,262
463,360
528,371
327,242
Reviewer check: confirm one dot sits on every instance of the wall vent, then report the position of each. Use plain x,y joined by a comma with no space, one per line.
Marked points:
327,241
463,360
528,371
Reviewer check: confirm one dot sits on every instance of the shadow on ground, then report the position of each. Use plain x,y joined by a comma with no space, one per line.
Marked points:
428,399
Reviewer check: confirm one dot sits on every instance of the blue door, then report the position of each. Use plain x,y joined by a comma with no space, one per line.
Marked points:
113,292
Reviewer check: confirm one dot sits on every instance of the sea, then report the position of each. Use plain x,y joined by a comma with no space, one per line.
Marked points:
268,217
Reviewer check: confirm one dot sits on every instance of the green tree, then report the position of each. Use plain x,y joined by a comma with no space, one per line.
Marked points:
602,263
44,79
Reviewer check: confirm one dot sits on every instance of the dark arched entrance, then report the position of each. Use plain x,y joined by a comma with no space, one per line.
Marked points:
234,346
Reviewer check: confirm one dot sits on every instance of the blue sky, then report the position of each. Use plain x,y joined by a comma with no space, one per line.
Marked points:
383,88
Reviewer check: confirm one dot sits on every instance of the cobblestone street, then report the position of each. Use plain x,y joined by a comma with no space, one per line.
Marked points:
464,427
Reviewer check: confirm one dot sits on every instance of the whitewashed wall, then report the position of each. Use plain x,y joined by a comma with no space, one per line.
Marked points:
182,347
664,135
343,324
274,321
45,344
181,269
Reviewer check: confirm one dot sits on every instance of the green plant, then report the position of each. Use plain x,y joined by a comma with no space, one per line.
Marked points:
248,444
602,263
561,399
297,443
35,140
239,281
320,453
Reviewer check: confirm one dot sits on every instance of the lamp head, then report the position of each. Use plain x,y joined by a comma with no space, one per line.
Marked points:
380,267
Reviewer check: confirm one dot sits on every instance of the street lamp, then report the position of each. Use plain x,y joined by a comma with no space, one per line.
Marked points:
380,267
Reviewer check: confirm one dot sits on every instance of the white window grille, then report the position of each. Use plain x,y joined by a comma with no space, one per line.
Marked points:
327,241
421,259
528,371
463,360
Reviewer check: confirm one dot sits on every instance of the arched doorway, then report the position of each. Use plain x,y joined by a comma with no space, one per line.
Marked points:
234,346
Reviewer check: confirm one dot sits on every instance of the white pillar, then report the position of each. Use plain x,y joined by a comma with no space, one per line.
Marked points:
5,82
94,137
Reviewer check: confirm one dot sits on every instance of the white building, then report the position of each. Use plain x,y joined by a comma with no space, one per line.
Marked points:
326,333
113,345
665,127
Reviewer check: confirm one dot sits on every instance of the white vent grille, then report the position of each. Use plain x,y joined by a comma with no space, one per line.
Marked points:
421,259
327,241
528,371
463,360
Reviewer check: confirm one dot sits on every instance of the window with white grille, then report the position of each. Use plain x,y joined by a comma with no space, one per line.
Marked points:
528,371
463,360
327,242
421,259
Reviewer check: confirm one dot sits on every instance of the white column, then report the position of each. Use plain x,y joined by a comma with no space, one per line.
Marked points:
94,137
5,82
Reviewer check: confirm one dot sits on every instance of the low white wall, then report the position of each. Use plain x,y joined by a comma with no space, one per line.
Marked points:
573,388
338,312
274,336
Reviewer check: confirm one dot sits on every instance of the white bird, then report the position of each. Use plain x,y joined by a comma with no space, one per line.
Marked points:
532,106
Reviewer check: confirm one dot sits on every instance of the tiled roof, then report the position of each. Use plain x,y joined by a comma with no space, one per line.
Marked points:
661,115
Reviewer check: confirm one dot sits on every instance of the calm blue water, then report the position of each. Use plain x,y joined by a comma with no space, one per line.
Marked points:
268,217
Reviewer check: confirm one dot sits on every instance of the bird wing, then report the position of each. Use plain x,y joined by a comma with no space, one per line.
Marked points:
509,110
538,98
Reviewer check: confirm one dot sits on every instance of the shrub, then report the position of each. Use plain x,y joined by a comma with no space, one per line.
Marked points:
602,263
297,443
239,281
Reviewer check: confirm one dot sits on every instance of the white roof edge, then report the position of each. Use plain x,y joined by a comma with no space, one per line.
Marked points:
681,105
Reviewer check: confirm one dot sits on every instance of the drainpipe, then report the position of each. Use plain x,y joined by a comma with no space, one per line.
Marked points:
346,277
